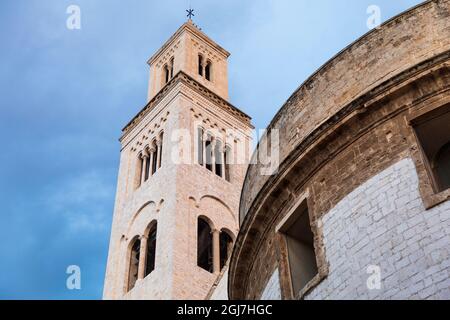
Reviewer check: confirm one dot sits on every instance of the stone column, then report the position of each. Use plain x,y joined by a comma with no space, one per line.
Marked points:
216,250
142,257
158,158
152,155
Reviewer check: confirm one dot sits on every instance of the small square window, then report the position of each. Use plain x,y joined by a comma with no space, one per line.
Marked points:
433,134
301,254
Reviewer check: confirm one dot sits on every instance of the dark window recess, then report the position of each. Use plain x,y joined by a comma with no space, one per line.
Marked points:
200,65
204,246
208,71
208,146
134,264
300,244
151,251
433,133
218,158
226,244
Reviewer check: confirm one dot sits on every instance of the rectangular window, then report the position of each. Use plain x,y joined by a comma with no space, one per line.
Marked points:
296,230
433,134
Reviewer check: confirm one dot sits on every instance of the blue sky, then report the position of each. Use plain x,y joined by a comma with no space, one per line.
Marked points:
66,94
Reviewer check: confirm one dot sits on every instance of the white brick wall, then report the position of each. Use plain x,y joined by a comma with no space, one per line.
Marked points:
383,222
272,290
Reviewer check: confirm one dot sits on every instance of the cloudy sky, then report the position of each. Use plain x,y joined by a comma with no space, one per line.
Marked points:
66,94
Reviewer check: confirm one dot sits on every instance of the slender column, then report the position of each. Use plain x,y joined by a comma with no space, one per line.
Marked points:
203,68
213,155
216,250
152,155
144,165
142,257
158,158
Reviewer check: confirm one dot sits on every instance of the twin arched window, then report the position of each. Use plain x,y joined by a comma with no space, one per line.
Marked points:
142,256
213,247
213,155
204,67
168,71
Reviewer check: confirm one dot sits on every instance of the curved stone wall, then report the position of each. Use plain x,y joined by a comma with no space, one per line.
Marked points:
404,41
347,129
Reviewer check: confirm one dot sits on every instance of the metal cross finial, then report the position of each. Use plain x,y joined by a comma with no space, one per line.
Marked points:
190,13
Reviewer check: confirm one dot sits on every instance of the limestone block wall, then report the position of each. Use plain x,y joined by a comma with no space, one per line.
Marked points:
383,223
272,290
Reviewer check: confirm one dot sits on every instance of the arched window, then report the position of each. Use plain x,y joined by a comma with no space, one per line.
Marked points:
204,246
200,65
138,174
442,167
155,157
228,160
166,74
226,246
160,147
151,250
200,146
218,154
134,263
171,67
208,71
147,168
208,147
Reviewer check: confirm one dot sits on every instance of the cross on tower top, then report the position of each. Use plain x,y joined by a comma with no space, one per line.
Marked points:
190,13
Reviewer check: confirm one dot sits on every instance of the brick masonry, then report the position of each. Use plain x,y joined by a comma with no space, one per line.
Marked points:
335,139
383,222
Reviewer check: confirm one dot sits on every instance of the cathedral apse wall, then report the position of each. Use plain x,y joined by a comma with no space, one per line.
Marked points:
359,206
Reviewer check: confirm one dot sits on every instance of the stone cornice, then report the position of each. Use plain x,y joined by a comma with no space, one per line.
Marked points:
185,79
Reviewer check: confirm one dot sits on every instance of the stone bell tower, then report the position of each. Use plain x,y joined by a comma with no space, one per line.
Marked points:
182,164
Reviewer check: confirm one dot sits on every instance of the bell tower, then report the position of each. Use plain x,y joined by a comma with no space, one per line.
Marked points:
183,160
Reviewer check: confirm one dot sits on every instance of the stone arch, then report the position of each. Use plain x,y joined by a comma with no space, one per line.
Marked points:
228,209
147,205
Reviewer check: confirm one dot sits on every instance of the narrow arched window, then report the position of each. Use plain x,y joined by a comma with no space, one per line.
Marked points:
171,67
208,71
138,170
227,160
226,245
151,250
166,74
160,147
200,65
147,168
204,246
218,155
208,151
134,263
442,167
155,158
